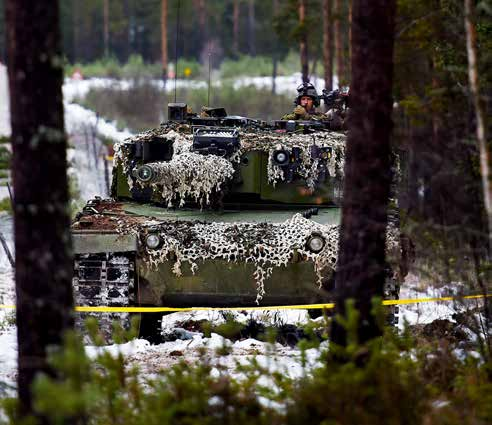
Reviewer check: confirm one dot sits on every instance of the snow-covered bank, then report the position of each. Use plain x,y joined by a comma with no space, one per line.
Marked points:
79,120
285,84
4,102
76,117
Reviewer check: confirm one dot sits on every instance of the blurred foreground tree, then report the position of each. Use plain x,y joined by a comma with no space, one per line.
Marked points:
43,271
361,261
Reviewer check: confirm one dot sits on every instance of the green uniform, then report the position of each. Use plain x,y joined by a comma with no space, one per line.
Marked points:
300,113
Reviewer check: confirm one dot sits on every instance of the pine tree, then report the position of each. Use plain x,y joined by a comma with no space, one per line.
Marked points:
328,44
303,42
361,260
164,56
43,271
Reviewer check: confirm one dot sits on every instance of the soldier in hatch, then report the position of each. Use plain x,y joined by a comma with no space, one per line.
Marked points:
306,102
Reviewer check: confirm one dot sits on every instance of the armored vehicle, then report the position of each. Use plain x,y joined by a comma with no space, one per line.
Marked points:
217,211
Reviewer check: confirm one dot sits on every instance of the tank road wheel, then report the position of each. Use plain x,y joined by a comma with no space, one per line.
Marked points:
106,279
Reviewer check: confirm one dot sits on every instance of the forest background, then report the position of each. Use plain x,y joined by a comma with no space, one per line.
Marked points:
434,118
434,111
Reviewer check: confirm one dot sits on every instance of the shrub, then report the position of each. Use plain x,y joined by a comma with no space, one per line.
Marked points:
6,205
246,65
390,380
143,106
134,68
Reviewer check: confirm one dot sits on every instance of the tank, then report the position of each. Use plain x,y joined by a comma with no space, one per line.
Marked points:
218,211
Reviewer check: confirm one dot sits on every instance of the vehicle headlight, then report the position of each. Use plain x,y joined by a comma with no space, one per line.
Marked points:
145,173
315,243
280,157
152,241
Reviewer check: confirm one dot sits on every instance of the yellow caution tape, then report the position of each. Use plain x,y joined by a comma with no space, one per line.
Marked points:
106,309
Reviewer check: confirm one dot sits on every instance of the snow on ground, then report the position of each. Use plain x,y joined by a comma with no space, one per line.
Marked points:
78,119
85,127
285,84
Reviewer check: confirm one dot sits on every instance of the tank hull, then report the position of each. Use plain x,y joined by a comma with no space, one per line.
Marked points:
210,282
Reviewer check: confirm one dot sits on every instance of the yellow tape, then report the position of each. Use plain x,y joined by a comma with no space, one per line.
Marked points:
106,309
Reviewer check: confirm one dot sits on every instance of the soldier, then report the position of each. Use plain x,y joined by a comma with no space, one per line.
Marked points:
307,100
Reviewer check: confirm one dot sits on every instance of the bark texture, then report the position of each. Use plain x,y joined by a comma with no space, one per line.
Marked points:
43,272
164,53
328,44
361,262
303,42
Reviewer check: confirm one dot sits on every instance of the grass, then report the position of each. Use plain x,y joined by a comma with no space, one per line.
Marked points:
6,205
394,379
135,67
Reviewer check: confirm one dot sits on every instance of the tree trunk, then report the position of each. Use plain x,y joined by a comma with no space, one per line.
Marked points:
164,56
349,36
339,50
251,28
480,116
106,26
275,8
361,261
235,26
303,43
202,19
76,30
43,273
328,44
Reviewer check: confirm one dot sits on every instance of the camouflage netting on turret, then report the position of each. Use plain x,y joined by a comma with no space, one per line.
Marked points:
197,176
265,245
191,176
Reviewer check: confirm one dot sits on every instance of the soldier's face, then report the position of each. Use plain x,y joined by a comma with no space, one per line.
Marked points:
307,102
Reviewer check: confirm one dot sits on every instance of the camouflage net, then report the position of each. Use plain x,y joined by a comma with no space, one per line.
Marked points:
265,245
308,168
190,175
197,176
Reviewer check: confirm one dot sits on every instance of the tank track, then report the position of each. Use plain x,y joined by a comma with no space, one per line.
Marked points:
106,279
392,292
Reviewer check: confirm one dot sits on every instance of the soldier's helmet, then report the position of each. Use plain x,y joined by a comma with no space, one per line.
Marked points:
307,89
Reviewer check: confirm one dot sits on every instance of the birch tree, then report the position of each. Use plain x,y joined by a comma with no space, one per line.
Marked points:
480,116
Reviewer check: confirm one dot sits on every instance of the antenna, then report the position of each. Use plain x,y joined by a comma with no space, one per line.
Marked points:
208,96
176,51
